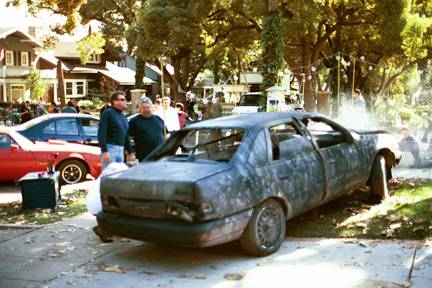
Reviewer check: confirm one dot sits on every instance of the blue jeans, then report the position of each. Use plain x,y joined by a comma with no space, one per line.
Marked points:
116,154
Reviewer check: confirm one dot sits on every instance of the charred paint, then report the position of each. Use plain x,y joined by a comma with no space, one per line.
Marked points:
310,169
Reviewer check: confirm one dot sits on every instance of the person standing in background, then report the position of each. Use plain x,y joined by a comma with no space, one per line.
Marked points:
146,130
53,108
183,116
113,132
69,108
169,115
25,112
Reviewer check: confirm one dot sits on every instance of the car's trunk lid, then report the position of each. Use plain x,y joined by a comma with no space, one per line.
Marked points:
147,189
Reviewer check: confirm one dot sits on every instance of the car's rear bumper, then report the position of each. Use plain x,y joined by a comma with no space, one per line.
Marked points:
176,233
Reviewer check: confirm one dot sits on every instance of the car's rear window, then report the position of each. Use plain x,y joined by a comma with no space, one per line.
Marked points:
216,144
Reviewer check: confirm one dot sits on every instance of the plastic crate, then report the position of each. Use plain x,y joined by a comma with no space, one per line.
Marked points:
40,190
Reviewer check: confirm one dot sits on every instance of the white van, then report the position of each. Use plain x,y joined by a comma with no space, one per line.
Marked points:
249,103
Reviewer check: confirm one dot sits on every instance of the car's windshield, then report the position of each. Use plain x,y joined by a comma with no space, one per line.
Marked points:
216,144
250,99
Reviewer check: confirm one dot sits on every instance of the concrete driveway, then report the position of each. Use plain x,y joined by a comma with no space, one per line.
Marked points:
68,254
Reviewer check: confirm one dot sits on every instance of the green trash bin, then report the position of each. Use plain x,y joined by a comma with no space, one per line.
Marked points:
40,190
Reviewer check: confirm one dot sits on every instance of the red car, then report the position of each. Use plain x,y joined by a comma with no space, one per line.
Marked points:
19,156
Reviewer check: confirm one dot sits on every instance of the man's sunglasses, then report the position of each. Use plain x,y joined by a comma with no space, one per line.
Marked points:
121,99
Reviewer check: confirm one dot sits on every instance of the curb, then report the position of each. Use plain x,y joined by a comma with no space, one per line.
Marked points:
18,226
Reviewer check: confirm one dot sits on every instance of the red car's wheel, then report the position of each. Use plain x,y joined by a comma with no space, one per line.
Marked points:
72,171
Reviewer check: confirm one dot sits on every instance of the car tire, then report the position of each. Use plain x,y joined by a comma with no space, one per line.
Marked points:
378,178
72,171
265,231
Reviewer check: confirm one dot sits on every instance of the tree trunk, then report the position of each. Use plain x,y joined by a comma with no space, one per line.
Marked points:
140,73
60,84
309,95
272,5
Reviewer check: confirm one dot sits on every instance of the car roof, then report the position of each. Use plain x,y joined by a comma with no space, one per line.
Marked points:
62,115
45,117
250,120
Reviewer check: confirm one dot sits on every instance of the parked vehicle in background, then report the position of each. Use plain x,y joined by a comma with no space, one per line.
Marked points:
249,103
241,177
19,156
79,128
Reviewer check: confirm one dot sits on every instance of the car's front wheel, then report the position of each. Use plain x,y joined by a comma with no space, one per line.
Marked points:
72,171
378,178
265,231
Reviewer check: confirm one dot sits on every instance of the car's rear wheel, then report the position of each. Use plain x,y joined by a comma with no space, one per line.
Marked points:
72,171
265,231
378,178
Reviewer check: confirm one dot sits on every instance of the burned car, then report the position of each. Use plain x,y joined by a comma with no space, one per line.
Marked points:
241,177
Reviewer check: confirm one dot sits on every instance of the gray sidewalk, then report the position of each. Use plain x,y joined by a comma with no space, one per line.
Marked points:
68,254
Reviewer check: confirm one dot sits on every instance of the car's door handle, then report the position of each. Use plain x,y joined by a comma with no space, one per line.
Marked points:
283,175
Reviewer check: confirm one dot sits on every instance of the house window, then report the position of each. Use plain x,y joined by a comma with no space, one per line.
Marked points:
24,59
76,88
9,58
95,58
80,88
17,92
69,89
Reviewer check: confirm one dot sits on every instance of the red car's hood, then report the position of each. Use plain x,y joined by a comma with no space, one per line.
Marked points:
62,146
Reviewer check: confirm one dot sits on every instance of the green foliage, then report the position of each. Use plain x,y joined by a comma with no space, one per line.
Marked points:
67,8
86,104
72,204
49,42
90,45
406,215
413,36
33,81
272,60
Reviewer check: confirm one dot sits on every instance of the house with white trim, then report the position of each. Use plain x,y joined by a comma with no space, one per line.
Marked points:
17,55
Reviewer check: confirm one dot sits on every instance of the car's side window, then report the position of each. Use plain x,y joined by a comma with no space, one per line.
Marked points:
67,127
324,134
282,136
5,142
90,127
49,129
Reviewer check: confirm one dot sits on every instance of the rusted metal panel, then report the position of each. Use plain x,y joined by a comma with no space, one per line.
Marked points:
206,181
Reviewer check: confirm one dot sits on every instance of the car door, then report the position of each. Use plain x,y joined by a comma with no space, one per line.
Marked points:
298,166
15,162
89,128
335,145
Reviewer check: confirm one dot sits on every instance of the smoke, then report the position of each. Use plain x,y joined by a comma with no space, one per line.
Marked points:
357,118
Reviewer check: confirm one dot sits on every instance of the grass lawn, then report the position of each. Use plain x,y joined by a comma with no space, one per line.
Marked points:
72,204
406,215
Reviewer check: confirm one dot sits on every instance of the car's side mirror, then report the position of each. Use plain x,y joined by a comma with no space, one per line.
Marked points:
14,148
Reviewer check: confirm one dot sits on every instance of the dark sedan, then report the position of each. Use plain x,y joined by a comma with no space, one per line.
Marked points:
79,128
242,177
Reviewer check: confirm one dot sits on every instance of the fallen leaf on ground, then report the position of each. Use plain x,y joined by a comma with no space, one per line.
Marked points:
234,276
402,284
192,276
115,269
148,272
363,244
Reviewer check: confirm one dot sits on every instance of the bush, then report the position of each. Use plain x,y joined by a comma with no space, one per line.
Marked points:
86,103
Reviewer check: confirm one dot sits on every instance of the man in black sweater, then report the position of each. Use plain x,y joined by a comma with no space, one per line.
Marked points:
146,129
113,132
